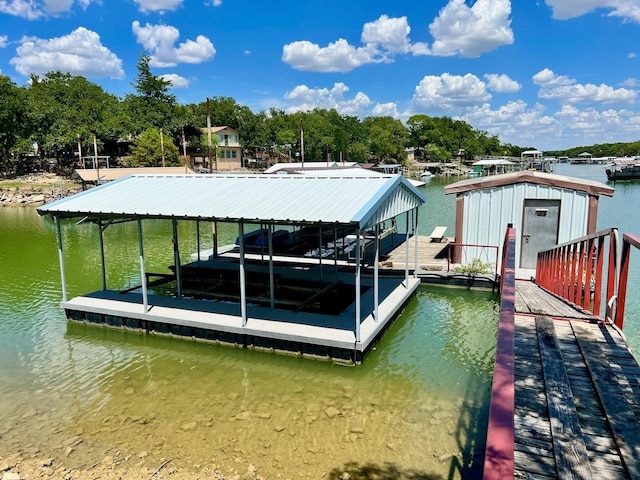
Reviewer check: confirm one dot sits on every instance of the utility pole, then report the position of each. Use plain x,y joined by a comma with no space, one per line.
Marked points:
209,136
302,142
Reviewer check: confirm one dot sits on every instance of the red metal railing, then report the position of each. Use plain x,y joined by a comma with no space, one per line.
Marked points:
628,241
575,270
499,453
460,252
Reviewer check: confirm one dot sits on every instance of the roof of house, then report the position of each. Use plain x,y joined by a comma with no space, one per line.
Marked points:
364,201
307,166
109,174
529,176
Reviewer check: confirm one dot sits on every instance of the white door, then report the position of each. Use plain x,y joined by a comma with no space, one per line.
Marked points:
540,224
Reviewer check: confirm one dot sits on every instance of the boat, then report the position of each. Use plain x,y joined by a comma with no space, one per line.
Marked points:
624,169
426,174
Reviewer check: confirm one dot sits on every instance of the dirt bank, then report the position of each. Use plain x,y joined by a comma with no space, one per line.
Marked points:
35,189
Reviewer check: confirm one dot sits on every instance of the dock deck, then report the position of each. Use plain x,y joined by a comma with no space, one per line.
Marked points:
576,393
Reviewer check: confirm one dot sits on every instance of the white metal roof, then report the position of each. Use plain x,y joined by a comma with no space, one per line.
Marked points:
280,198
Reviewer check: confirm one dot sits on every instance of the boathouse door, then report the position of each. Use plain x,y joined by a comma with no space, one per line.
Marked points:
540,223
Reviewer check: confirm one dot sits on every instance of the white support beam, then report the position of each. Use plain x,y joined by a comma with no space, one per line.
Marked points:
358,301
176,257
102,260
63,280
143,274
376,289
406,255
272,286
243,286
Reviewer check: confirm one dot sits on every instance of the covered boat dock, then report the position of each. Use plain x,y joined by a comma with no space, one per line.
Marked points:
328,302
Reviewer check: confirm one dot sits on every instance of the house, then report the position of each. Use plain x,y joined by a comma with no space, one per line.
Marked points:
546,209
228,151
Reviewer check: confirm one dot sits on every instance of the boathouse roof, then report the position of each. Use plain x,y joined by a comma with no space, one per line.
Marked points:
529,176
364,201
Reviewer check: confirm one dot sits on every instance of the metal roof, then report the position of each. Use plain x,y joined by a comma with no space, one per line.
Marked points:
280,198
528,176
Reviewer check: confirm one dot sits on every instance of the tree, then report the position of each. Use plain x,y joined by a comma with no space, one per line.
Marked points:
13,124
63,107
152,106
147,151
387,138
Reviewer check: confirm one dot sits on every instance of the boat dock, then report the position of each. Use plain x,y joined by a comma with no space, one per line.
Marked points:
566,392
577,388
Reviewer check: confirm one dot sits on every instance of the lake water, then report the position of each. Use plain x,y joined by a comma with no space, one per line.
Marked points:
77,394
417,406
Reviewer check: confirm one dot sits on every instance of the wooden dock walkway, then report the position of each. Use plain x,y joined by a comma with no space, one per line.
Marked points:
576,393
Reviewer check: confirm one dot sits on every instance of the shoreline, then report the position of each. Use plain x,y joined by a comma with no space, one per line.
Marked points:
35,189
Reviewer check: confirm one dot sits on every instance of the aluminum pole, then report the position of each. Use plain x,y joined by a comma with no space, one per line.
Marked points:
358,287
376,289
61,260
415,234
243,288
102,262
272,287
176,257
406,255
143,274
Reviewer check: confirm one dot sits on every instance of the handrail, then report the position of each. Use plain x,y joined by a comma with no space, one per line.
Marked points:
574,270
628,240
499,453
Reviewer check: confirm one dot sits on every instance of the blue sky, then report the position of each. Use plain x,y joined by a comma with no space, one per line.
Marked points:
550,74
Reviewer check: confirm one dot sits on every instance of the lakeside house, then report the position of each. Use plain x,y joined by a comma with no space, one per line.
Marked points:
227,156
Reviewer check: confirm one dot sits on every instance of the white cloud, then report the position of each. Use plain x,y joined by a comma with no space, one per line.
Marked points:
79,53
4,40
160,6
547,78
565,9
386,110
392,34
630,83
303,98
567,90
176,80
471,31
35,9
502,83
160,41
632,55
383,39
450,91
338,56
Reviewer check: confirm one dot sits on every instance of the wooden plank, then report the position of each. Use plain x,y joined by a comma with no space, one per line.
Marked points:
620,416
570,451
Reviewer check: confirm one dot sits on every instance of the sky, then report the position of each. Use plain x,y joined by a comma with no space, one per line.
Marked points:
548,74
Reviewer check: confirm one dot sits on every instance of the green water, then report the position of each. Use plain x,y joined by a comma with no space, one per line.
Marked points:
417,406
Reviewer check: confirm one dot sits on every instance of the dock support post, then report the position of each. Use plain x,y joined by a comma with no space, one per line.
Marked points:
272,287
198,237
415,235
143,275
376,260
406,255
214,228
243,287
61,260
320,249
357,331
102,262
176,257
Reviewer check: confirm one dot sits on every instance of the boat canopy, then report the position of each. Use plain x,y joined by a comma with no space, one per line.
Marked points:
360,201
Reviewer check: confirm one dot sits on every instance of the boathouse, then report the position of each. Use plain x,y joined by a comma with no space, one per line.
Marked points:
547,209
305,281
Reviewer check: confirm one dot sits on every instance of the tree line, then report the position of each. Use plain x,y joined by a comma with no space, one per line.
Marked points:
44,124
